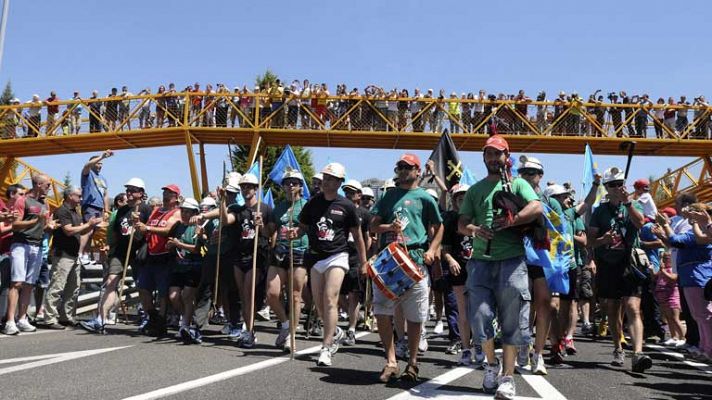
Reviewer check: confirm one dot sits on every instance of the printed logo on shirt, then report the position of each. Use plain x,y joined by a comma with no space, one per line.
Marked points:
248,230
336,211
466,246
401,216
325,231
126,228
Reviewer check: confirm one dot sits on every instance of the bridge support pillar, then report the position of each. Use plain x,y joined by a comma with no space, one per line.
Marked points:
203,169
193,168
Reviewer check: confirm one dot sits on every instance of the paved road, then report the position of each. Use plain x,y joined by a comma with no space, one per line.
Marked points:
74,364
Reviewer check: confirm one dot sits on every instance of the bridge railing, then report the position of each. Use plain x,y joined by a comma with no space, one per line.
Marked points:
250,111
695,177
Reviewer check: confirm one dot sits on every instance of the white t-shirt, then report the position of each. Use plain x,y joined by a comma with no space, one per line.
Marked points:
649,208
678,225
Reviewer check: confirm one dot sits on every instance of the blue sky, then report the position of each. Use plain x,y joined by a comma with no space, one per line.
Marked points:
653,47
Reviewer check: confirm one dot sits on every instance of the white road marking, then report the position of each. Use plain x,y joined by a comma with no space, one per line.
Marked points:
185,386
47,359
696,364
429,389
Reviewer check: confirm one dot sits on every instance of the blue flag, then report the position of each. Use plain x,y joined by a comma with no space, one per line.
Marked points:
557,260
254,169
590,168
467,178
267,198
287,160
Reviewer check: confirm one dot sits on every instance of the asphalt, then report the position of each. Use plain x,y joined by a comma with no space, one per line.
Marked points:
134,365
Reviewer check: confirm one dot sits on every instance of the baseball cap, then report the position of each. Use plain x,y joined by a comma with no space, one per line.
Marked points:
410,159
641,183
669,211
173,188
498,142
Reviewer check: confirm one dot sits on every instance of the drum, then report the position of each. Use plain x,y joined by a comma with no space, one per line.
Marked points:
393,271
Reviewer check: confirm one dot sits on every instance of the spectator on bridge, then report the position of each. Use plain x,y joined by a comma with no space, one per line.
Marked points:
75,114
276,97
144,114
65,280
292,94
669,115
616,114
124,108
417,119
209,106
95,198
681,122
34,118
392,110
221,106
196,103
234,116
701,118
659,119
52,111
95,114
111,110
160,106
172,110
478,110
628,112
454,113
641,118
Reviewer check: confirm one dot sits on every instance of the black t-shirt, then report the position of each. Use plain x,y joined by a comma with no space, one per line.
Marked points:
328,224
245,225
363,221
122,229
460,245
64,245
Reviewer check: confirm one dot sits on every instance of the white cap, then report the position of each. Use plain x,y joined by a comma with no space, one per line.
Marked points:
334,169
293,174
459,188
136,182
250,179
433,193
555,190
190,203
208,202
354,184
389,183
613,174
530,163
233,182
367,191
318,176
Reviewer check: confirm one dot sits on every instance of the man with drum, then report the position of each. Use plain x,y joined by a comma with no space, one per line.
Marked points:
497,281
405,215
328,218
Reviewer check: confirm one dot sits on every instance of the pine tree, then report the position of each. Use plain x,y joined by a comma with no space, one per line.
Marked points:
7,94
267,79
67,180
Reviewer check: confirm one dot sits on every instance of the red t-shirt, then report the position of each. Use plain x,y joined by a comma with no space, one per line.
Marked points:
5,239
157,243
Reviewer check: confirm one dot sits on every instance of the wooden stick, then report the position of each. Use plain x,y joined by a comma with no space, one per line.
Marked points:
126,266
217,262
292,311
254,249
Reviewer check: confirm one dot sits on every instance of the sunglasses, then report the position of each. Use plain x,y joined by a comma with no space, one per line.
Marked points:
616,184
529,172
132,190
406,167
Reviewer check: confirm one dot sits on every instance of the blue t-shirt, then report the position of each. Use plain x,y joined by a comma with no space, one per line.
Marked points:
694,261
93,188
647,235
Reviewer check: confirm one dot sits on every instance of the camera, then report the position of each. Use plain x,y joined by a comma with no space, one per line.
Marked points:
612,95
541,96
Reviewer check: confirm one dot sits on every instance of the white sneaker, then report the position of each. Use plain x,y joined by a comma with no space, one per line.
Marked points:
465,358
506,389
281,341
324,357
538,366
522,362
111,319
423,344
680,343
25,326
490,381
10,328
263,314
438,328
672,342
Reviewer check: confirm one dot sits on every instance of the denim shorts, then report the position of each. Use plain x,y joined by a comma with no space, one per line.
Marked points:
499,288
156,274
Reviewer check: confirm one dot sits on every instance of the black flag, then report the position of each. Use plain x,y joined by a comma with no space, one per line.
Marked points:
447,162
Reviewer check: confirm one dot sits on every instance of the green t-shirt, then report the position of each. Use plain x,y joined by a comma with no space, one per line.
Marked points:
185,260
606,216
575,224
416,210
478,206
281,218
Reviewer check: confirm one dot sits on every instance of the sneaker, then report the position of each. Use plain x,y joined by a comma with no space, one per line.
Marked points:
316,329
234,333
143,325
25,326
641,362
282,338
247,341
587,329
438,328
218,318
506,389
111,319
85,260
672,342
557,354
195,336
680,343
479,355
454,347
184,335
423,344
465,358
432,311
263,314
537,363
226,329
350,339
343,316
523,358
53,326
569,347
489,383
618,358
338,335
10,328
93,325
324,357
402,348
334,348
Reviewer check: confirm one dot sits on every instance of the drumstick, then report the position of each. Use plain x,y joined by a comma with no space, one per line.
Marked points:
202,226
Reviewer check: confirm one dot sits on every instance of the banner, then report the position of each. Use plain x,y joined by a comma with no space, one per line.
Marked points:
558,259
447,162
286,161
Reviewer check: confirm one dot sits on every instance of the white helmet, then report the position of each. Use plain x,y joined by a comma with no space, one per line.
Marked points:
190,204
250,179
613,174
459,188
530,163
555,190
136,182
318,176
233,182
293,174
334,169
389,183
367,192
354,184
433,193
208,202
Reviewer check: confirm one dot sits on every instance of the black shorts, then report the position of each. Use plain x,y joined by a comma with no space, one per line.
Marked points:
188,278
535,272
585,284
245,264
281,257
611,284
573,293
460,279
353,283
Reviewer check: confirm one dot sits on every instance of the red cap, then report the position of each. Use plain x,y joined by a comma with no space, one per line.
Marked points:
173,188
498,142
410,159
669,211
641,183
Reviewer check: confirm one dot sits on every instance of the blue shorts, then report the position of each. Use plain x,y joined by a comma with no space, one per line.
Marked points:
499,288
89,211
156,274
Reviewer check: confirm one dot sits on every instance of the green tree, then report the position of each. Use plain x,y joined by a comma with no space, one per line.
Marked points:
67,182
7,94
266,79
